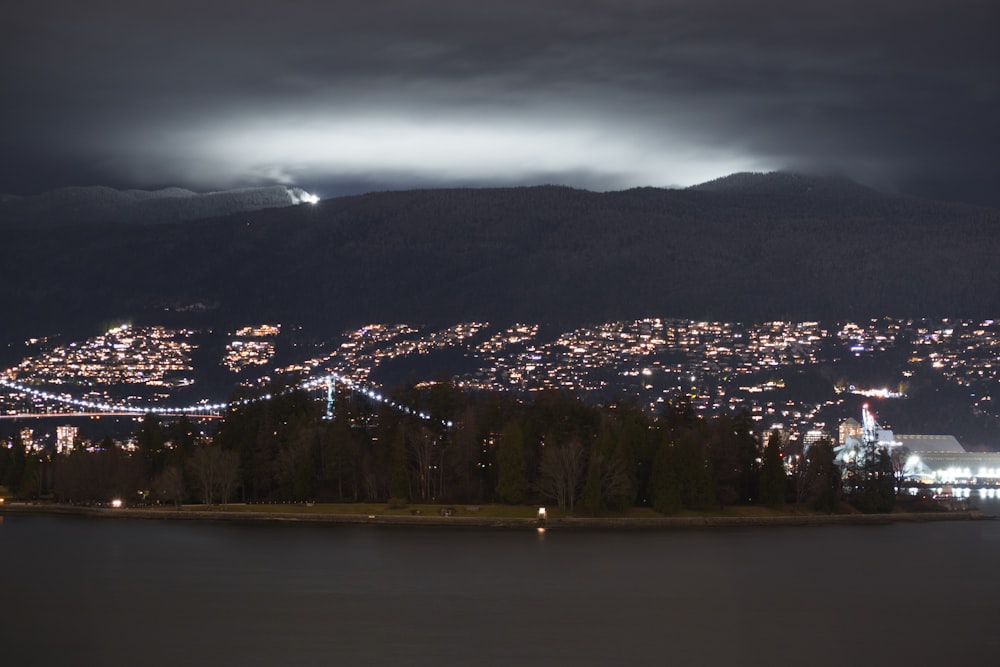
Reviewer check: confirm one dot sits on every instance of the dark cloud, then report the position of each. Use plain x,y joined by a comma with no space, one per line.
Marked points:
596,94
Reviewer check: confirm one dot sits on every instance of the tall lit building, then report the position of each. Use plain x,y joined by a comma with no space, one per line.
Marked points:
849,428
28,438
65,437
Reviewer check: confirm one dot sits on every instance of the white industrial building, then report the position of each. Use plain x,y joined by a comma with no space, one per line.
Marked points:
942,459
929,459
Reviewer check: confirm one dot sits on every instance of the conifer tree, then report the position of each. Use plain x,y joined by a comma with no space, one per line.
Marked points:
512,476
773,482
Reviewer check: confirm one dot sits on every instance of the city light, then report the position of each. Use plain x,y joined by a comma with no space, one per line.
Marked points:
718,366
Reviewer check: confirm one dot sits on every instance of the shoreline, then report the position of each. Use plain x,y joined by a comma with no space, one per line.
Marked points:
561,523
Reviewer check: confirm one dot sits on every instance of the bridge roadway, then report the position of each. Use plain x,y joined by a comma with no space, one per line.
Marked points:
137,415
325,383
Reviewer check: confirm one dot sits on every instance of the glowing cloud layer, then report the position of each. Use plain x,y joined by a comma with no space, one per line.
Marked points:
399,149
603,94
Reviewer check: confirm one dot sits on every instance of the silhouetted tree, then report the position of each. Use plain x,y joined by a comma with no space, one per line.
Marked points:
180,435
150,442
169,486
465,455
821,483
733,454
30,483
98,476
610,481
900,456
228,475
339,453
296,465
591,499
665,487
399,474
204,469
15,463
422,444
560,473
773,480
512,475
884,481
684,464
216,473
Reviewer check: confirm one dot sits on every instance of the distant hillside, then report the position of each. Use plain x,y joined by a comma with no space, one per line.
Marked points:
86,205
773,247
786,184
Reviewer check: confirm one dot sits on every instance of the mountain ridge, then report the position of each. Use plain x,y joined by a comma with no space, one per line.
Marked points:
82,205
543,254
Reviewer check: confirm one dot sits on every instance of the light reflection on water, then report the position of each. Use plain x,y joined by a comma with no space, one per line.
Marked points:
167,593
987,499
988,503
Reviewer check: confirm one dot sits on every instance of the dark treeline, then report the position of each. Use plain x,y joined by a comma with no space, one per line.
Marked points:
551,448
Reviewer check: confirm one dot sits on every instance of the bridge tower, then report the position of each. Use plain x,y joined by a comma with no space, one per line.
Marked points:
331,399
869,429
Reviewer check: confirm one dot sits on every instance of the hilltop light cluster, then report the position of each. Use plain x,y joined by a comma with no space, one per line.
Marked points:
652,360
367,348
152,356
251,346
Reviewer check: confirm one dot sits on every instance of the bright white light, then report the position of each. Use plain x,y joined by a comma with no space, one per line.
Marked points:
300,196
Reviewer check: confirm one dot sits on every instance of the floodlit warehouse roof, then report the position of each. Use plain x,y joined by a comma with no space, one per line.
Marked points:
926,444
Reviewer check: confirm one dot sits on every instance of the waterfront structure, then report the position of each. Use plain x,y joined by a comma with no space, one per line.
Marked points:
942,459
924,459
856,448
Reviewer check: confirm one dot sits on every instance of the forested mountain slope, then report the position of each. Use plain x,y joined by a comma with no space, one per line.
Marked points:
756,248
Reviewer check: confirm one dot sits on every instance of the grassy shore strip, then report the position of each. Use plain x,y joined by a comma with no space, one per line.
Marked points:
741,521
271,515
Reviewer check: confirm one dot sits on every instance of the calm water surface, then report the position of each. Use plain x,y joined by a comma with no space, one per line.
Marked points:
130,592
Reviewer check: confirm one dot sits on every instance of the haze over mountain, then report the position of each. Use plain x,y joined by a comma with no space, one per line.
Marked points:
749,247
82,205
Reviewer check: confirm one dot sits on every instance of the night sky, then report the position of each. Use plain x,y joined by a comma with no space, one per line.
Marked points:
352,96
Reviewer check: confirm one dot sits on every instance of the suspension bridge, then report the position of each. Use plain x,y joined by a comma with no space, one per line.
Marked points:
80,407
